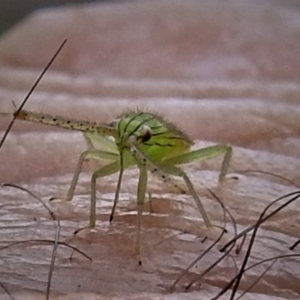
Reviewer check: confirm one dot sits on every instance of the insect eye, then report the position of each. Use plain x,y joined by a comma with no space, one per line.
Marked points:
147,135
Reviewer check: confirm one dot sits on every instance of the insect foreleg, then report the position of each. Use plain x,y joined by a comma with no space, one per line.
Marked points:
89,154
105,171
121,168
141,191
145,164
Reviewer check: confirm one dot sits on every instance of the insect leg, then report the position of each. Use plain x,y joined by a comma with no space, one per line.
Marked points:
176,171
89,154
145,165
141,191
105,171
204,154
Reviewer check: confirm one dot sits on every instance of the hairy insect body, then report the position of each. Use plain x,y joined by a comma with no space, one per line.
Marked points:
139,139
156,138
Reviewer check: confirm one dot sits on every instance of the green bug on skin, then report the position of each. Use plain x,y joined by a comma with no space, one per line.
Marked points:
137,138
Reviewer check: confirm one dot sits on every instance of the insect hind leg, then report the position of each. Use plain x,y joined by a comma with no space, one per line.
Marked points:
204,154
176,171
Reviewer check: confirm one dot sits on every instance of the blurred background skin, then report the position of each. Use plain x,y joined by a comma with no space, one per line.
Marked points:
11,11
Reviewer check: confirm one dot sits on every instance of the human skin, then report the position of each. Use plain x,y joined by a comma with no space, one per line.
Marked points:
257,114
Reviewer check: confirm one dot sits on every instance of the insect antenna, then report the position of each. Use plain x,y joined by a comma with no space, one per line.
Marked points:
122,161
111,217
128,123
140,125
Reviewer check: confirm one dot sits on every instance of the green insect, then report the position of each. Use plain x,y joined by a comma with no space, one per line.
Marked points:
139,139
